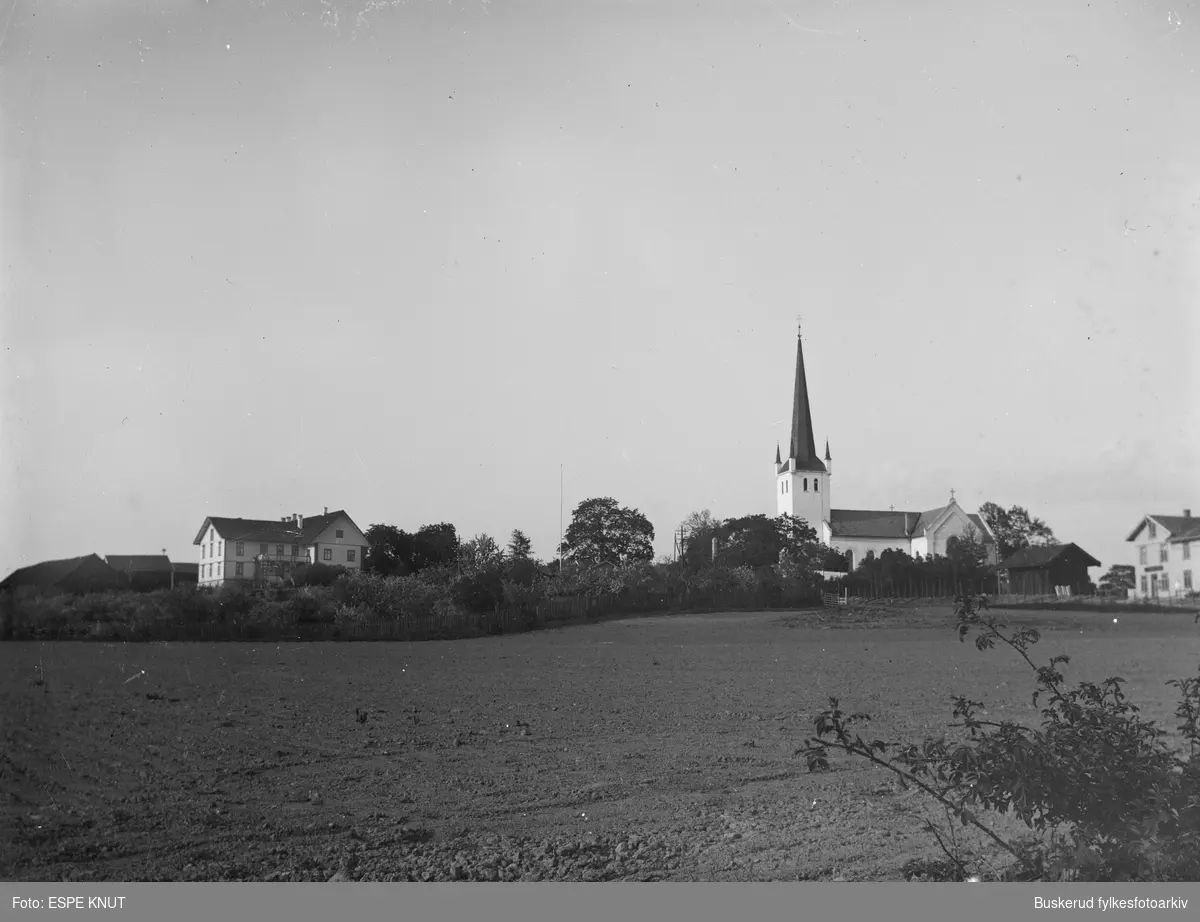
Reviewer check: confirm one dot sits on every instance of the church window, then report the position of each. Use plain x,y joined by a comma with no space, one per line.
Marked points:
816,485
805,484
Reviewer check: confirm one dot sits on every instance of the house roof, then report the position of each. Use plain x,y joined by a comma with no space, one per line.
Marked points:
48,572
1042,556
1178,527
139,563
266,530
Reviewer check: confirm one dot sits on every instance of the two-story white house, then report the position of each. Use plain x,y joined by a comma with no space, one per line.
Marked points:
1163,557
235,550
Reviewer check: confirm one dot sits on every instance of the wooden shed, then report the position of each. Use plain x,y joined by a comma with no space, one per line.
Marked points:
1038,570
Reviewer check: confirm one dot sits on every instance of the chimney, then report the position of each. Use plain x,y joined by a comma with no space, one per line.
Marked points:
326,510
299,521
906,524
1187,513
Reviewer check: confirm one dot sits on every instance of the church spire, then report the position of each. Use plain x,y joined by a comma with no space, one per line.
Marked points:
803,447
778,460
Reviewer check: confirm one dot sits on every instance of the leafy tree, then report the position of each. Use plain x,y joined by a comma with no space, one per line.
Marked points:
1119,576
1015,528
435,546
602,531
478,555
390,552
699,528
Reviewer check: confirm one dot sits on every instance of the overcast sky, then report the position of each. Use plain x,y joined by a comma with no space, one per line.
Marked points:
257,264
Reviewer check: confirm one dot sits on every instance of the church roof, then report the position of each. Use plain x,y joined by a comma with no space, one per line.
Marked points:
802,447
888,523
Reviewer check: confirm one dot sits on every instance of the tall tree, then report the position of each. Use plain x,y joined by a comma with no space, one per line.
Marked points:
479,554
390,550
698,529
603,531
519,545
435,546
1015,528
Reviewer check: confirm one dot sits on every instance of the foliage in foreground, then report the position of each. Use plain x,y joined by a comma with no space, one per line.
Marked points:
1104,795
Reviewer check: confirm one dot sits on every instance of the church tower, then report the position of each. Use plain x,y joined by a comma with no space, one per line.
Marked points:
802,480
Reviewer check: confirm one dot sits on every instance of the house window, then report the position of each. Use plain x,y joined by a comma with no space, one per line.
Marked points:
241,549
1153,530
1187,579
327,554
208,570
1162,554
220,548
1142,556
1145,583
237,569
219,568
340,533
211,533
278,550
781,487
295,550
210,549
262,549
203,552
1187,551
350,556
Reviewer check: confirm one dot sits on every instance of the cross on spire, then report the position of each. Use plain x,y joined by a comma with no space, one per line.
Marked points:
952,494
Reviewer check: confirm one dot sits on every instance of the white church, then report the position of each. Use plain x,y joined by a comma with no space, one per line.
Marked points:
802,489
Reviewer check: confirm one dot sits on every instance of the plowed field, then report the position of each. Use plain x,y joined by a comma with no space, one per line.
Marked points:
642,748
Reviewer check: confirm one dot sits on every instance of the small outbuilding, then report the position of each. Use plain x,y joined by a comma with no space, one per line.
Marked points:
1041,570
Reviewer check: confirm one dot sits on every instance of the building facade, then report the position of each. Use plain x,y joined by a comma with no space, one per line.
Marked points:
1165,553
804,487
264,551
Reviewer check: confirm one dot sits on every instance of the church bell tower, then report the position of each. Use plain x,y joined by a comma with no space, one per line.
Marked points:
802,480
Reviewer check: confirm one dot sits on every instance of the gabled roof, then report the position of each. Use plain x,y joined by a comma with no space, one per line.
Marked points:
1177,527
888,523
1042,556
268,531
139,563
50,572
870,523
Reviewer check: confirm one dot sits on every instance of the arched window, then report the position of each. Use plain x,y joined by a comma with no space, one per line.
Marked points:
816,485
805,484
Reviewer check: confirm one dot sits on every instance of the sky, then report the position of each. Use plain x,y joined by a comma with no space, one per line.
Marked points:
475,262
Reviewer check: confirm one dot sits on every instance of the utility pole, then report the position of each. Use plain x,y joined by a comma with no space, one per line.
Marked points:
560,518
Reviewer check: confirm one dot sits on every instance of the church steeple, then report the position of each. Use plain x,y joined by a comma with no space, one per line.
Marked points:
803,446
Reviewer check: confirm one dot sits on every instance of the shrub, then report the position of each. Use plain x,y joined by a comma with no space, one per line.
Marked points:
1104,795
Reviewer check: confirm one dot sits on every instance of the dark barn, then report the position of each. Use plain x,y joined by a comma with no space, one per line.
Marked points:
1038,570
143,572
186,574
75,574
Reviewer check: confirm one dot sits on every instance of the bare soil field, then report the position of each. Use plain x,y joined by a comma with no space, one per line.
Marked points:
652,748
